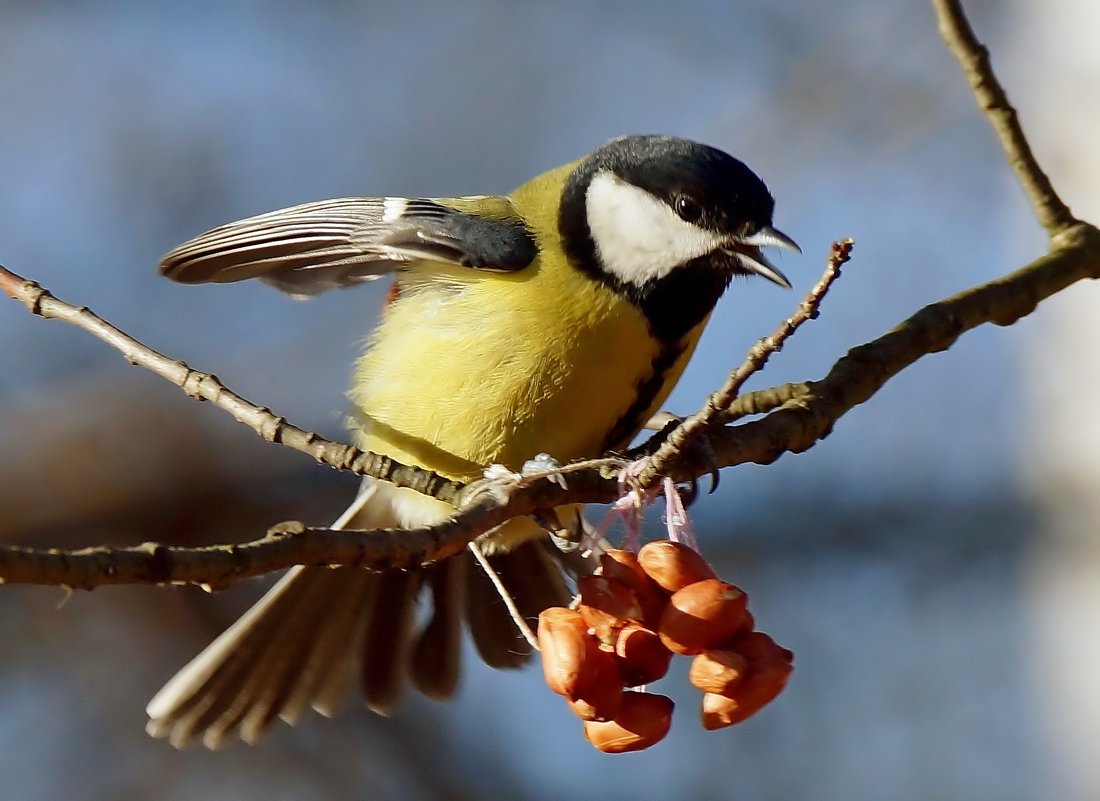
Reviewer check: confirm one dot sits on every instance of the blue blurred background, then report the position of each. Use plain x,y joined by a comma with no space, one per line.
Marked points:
913,561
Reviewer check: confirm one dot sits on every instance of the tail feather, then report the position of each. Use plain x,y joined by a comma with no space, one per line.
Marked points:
386,647
300,644
498,642
435,660
206,688
287,670
275,668
327,674
532,573
534,579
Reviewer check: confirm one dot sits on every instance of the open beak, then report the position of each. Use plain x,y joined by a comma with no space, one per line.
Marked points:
747,252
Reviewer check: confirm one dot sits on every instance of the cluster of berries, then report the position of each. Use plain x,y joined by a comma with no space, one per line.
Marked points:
630,619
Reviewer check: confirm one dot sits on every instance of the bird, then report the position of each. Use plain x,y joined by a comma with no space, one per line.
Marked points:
553,320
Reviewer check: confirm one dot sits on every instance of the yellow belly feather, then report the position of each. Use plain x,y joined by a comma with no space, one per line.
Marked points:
468,369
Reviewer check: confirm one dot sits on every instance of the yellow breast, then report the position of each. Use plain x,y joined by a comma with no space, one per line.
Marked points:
489,372
469,368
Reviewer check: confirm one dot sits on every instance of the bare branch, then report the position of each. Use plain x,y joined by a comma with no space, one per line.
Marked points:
797,415
807,414
207,387
973,56
815,406
292,543
717,405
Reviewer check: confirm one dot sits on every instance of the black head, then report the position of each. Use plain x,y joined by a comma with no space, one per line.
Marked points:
668,222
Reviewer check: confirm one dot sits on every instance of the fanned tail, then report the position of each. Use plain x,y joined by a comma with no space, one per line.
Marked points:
319,630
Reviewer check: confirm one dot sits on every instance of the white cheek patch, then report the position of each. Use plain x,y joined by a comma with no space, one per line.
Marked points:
639,237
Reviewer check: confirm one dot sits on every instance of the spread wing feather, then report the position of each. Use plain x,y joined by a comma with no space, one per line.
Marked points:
330,244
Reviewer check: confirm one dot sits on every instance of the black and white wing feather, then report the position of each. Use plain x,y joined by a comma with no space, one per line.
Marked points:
332,244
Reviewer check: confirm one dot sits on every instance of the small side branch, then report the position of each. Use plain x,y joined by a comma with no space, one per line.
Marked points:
1054,215
207,387
812,408
293,543
716,410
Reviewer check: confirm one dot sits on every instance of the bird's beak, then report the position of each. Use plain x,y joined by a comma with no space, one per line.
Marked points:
748,253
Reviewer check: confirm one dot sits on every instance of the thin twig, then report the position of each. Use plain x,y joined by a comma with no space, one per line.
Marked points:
207,387
1054,215
681,438
759,401
814,407
505,596
286,545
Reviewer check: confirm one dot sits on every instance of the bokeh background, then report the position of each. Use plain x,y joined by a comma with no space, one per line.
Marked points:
933,563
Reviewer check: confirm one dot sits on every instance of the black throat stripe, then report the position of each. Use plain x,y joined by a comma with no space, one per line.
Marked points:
646,391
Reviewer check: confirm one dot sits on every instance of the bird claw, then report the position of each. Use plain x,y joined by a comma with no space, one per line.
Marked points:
544,465
664,423
498,472
568,538
702,443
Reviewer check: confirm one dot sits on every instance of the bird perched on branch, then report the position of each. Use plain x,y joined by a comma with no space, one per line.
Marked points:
553,320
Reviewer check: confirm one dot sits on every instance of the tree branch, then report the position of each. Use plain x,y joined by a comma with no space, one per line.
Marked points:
812,408
806,416
797,415
973,56
718,404
289,544
208,387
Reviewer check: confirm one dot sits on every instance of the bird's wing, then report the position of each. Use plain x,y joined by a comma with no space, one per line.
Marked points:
307,249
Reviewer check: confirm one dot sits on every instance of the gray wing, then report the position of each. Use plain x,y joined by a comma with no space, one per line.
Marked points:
331,244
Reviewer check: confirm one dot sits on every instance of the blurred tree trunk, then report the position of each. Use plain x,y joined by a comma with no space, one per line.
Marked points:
1060,366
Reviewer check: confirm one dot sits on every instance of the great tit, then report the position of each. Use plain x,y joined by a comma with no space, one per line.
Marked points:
553,320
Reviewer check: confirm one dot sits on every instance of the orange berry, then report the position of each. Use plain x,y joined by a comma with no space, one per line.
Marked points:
624,566
600,694
766,674
562,636
641,656
718,711
643,720
701,615
606,605
673,565
717,671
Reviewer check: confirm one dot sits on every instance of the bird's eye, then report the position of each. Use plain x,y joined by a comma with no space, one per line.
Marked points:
688,209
